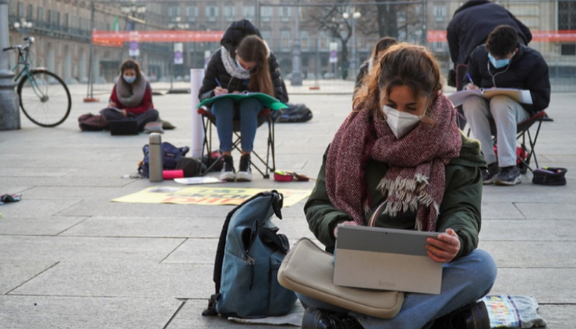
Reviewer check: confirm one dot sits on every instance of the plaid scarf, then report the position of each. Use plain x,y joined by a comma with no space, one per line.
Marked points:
415,180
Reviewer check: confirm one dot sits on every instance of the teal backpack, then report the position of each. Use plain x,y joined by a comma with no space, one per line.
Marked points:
250,252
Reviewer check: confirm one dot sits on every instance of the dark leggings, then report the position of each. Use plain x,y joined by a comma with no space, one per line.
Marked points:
141,119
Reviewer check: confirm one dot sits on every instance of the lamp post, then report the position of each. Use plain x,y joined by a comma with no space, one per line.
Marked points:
22,26
296,78
352,19
177,26
135,13
9,111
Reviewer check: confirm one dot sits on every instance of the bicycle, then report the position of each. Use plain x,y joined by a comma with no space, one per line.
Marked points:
44,97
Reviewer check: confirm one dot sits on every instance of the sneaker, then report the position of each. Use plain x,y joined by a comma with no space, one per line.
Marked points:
472,316
228,173
244,173
509,176
489,175
322,319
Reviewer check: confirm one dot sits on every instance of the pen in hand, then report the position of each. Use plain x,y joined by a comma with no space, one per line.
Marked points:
219,90
219,85
471,84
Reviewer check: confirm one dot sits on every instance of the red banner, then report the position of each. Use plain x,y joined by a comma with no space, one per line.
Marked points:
537,36
117,39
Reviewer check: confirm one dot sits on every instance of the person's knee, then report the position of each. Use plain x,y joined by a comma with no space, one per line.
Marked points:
500,104
154,114
486,271
471,104
223,105
252,104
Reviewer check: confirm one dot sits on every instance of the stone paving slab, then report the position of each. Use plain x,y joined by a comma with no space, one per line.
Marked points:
529,192
14,273
548,285
34,208
123,209
189,317
547,210
497,210
154,227
64,182
80,192
122,279
71,249
40,312
532,254
531,230
49,225
558,316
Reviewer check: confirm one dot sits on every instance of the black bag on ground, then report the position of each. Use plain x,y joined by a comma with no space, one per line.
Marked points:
190,166
550,176
91,122
170,156
250,252
295,113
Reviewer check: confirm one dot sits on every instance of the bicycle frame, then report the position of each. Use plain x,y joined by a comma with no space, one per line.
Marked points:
23,60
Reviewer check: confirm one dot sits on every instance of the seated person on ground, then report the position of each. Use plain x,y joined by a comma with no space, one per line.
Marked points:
504,63
402,132
132,95
377,53
244,63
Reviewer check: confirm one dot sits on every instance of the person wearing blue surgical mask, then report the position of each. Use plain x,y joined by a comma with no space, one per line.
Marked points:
503,62
131,97
399,161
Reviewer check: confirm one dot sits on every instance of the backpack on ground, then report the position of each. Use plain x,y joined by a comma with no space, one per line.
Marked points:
294,113
250,252
91,122
170,156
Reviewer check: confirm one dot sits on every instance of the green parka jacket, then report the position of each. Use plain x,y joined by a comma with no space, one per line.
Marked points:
460,208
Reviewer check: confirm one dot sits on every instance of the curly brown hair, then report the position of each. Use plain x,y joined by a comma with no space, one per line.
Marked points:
402,65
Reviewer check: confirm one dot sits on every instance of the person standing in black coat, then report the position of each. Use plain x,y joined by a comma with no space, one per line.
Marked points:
473,22
244,63
504,63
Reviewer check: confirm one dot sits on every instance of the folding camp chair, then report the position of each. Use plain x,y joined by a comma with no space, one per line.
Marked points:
525,151
460,74
209,120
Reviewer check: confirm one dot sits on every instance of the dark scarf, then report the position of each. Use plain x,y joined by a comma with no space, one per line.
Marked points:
130,95
416,176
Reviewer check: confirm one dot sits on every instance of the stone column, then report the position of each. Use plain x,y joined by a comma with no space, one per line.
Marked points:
296,79
9,106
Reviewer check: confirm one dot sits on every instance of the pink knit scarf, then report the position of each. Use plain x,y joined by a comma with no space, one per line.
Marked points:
416,176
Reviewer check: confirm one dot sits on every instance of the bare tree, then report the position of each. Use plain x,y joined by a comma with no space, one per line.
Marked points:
330,19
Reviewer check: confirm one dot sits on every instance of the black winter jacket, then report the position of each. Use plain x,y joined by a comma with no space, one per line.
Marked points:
230,40
527,70
472,23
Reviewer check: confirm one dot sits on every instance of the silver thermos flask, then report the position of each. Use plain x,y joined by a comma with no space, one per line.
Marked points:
155,158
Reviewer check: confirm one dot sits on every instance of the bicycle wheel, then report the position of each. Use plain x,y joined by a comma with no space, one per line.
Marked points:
44,98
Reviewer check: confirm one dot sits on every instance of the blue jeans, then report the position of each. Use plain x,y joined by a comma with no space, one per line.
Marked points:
463,281
224,110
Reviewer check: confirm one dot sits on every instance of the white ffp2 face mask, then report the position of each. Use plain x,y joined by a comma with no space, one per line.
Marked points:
401,123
